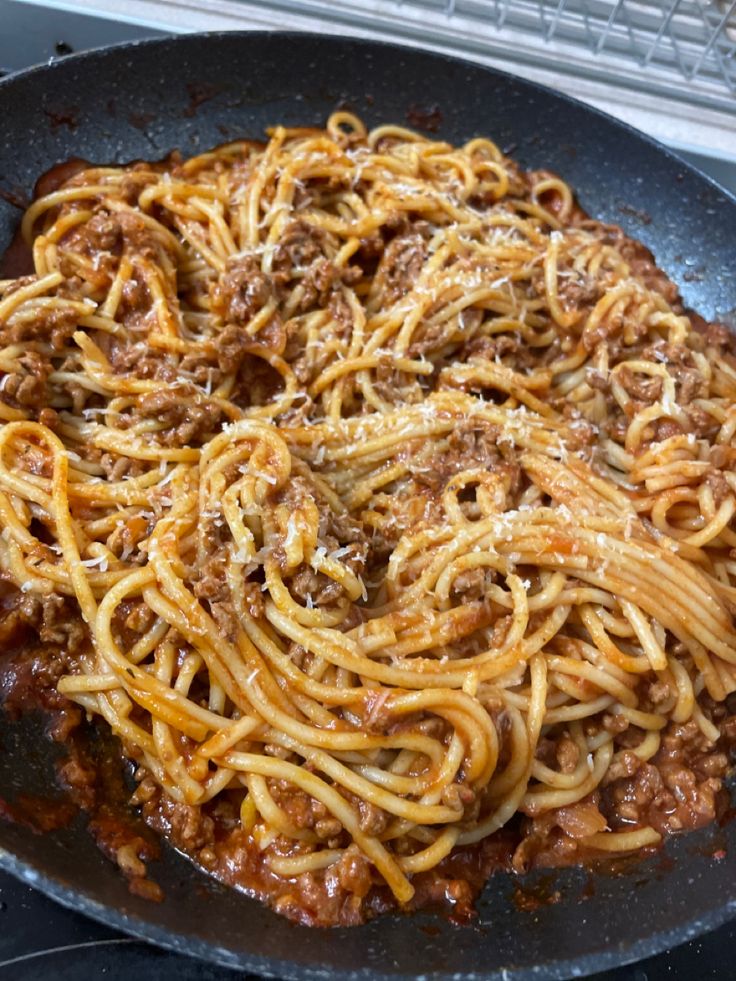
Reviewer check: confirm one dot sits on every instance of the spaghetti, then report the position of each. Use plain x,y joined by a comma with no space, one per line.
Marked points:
374,496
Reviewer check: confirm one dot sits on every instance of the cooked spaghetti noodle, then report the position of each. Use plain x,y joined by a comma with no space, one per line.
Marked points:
373,496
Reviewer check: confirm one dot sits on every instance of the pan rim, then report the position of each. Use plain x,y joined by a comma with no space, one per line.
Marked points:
338,39
558,969
77,898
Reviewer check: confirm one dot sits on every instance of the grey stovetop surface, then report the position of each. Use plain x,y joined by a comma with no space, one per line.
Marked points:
40,941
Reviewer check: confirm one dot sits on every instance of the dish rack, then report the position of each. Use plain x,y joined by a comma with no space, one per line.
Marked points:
684,47
666,66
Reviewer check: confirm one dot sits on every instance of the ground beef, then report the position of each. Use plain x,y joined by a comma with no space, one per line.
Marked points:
298,247
185,416
55,619
257,383
643,388
211,581
640,259
142,361
135,299
473,584
495,347
104,233
302,258
470,446
188,826
128,536
241,291
681,788
314,587
317,283
27,388
401,263
340,310
137,238
54,325
719,486
211,587
644,267
354,873
118,467
578,293
714,334
231,346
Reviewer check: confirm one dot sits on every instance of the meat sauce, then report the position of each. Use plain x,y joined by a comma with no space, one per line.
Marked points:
90,773
680,789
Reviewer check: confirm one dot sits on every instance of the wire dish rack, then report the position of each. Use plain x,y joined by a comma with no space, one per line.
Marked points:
686,46
665,66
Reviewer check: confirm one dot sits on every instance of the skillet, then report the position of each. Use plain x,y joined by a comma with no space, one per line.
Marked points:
143,99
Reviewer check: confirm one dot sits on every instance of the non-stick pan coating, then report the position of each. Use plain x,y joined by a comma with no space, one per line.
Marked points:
141,101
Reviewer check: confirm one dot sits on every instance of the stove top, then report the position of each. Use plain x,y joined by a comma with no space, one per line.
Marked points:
41,941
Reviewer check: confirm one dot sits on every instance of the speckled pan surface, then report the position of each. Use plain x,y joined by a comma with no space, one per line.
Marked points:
142,100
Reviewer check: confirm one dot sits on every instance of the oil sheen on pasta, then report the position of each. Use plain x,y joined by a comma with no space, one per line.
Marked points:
381,503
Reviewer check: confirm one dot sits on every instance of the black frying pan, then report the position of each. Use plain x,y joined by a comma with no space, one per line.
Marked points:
140,101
